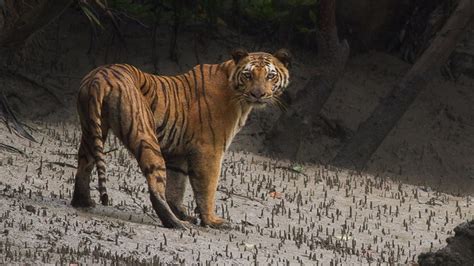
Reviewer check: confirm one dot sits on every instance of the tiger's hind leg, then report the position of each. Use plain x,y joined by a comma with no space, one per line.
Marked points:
134,125
91,151
148,154
88,155
81,196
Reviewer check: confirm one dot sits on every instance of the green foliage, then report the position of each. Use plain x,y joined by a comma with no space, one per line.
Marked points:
295,17
142,10
211,11
265,10
139,10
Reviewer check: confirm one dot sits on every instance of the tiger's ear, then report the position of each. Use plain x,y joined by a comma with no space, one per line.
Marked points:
284,56
238,54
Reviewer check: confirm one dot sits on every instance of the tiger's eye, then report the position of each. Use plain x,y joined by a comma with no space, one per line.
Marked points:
247,75
271,75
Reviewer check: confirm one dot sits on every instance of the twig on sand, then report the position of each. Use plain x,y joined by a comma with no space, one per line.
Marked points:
291,169
141,207
11,148
230,194
111,150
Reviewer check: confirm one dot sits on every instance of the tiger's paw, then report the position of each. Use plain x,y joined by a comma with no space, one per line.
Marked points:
82,202
215,222
175,224
190,219
104,199
180,212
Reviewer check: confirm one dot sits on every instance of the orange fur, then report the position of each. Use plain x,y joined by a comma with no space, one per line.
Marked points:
177,127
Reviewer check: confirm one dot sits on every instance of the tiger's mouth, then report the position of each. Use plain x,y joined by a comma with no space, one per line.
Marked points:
258,101
272,100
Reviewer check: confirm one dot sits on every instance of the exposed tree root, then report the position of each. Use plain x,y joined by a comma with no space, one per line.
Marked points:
8,116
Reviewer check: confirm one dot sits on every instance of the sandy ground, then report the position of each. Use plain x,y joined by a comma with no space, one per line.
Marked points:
280,213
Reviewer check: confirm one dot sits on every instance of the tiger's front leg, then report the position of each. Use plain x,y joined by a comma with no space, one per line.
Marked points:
205,167
177,177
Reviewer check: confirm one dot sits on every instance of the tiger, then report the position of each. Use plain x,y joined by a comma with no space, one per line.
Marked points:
178,128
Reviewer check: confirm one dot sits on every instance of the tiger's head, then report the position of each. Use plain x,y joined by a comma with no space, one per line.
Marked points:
260,78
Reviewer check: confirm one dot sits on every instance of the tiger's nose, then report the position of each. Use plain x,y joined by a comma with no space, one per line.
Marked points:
258,94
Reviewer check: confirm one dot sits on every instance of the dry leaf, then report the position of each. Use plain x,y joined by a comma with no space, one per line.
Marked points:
276,195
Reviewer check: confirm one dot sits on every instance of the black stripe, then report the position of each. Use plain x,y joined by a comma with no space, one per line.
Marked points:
218,68
209,121
190,139
161,127
176,90
184,90
154,103
107,80
126,68
141,116
144,145
163,90
179,129
136,74
202,81
117,74
128,133
169,130
144,85
152,168
189,88
172,130
118,107
210,70
182,126
197,96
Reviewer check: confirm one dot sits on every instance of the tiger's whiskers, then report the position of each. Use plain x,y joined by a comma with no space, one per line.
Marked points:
279,103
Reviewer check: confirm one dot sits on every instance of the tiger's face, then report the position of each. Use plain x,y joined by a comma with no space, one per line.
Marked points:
260,78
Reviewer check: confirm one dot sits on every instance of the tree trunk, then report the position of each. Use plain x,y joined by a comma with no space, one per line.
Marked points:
357,151
294,124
